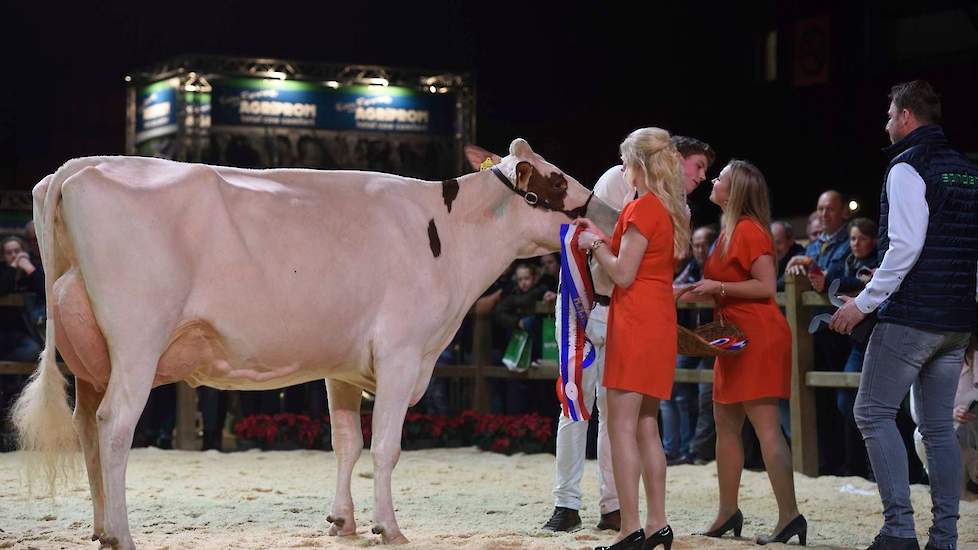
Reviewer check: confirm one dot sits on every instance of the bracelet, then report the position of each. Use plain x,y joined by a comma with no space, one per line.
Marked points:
723,290
598,243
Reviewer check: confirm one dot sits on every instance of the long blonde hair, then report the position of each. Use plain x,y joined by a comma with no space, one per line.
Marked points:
747,196
650,152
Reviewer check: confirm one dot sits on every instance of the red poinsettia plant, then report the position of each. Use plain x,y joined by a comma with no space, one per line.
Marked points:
498,433
515,433
279,428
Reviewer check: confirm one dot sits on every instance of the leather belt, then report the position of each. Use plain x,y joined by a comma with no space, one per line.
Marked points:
602,300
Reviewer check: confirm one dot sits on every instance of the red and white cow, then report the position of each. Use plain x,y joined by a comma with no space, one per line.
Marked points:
160,271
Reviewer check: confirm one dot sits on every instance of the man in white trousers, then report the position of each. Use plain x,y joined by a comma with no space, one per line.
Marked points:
572,436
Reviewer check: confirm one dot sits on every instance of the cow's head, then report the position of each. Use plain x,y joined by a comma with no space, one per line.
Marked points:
549,196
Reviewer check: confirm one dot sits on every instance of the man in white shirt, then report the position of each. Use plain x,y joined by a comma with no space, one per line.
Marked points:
923,294
572,436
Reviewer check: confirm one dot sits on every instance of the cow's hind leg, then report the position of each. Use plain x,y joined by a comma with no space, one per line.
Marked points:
390,407
87,400
344,420
125,398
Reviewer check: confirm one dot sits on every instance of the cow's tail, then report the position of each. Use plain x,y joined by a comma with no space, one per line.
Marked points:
41,416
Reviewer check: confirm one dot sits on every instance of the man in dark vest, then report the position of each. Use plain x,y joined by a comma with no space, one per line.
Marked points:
924,296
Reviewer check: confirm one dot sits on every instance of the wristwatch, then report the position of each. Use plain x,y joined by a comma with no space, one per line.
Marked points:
596,244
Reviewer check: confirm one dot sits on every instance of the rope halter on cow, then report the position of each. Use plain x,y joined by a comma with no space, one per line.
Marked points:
534,199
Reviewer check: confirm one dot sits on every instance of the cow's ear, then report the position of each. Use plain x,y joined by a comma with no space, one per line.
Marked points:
477,155
523,172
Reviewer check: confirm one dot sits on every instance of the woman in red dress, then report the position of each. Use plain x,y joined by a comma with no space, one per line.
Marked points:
652,232
740,277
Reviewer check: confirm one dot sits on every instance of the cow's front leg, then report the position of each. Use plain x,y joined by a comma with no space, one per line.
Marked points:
395,384
344,420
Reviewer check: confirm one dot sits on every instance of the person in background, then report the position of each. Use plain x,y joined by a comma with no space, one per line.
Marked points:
550,271
680,414
965,420
516,311
18,274
827,254
857,271
785,247
814,227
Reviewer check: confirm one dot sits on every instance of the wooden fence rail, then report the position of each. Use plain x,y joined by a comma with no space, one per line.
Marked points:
798,299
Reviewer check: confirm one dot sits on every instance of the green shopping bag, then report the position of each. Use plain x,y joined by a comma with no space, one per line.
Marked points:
517,355
550,352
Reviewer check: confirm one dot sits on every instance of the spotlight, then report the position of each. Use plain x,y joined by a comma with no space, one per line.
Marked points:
853,206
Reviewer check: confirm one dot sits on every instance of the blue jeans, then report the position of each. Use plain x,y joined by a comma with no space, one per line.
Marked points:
677,427
896,358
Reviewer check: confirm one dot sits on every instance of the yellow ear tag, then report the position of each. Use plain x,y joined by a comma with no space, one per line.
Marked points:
486,164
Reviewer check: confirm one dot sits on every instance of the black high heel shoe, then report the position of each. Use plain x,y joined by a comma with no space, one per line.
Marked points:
736,523
797,526
662,536
631,542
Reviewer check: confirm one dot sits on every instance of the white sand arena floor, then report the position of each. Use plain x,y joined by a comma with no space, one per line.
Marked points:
461,499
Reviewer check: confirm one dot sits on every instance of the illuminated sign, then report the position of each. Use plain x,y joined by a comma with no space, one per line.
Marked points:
156,110
290,103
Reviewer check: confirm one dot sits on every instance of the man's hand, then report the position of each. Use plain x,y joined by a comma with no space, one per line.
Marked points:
847,317
798,265
817,278
962,416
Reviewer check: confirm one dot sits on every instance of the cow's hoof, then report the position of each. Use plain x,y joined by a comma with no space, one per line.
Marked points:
340,527
337,521
108,542
398,538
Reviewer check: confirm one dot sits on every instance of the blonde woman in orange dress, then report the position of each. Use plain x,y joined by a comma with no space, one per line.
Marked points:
652,232
740,277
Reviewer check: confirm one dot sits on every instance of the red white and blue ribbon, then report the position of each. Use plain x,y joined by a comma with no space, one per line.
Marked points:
575,296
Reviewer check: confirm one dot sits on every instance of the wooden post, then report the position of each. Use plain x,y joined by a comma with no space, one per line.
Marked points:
804,434
186,438
480,349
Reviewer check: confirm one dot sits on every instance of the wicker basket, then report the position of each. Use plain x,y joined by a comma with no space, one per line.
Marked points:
696,343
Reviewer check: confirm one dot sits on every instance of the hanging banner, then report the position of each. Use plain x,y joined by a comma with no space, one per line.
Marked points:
156,110
298,104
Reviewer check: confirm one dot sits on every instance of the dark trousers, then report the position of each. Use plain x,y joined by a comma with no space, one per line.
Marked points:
213,407
704,445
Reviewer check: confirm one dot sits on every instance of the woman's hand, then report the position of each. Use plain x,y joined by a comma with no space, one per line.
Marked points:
706,287
549,296
587,239
590,227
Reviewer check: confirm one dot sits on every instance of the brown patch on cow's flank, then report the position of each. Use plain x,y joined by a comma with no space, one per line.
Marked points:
433,239
449,190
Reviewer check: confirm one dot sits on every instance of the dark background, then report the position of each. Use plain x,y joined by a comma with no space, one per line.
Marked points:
572,78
